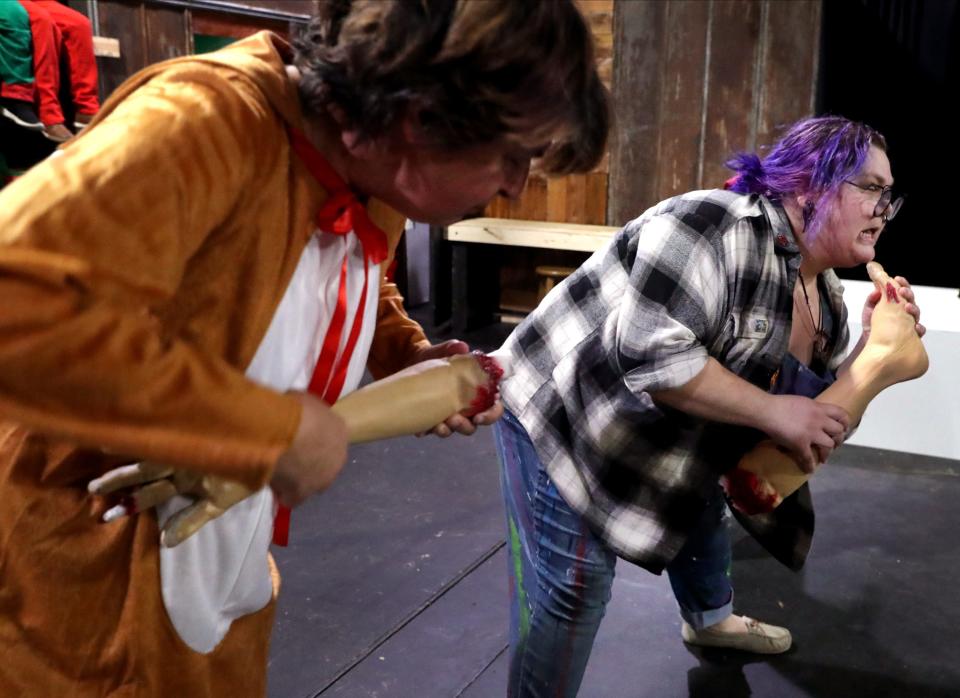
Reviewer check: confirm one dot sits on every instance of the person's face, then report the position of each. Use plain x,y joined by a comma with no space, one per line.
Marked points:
851,231
439,186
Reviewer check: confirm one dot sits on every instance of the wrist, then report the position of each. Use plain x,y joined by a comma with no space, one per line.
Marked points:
763,411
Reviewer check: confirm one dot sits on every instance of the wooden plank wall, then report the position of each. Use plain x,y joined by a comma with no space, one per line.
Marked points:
696,81
293,7
693,81
151,30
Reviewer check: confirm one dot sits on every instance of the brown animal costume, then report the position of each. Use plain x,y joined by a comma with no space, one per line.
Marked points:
129,315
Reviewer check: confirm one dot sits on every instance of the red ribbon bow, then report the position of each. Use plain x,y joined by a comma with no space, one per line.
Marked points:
341,214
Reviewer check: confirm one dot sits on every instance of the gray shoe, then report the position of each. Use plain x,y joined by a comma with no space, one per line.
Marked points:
760,638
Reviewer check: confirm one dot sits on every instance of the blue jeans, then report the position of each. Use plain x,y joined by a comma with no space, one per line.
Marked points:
561,573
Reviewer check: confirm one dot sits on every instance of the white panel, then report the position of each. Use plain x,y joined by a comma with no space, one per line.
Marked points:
920,416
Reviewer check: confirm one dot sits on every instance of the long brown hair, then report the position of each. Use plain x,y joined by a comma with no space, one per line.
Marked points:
474,71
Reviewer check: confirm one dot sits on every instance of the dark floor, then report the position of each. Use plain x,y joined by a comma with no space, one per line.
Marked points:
394,585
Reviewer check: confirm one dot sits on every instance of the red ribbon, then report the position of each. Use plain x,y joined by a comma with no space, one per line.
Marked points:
341,214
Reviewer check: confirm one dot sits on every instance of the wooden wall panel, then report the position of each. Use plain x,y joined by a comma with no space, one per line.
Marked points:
790,62
732,89
596,206
123,21
149,31
302,8
638,64
531,206
166,33
236,26
599,16
697,81
681,99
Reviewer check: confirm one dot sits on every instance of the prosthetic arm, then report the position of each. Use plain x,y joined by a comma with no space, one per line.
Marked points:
407,402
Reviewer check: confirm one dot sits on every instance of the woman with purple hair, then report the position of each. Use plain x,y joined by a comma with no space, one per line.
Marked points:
708,323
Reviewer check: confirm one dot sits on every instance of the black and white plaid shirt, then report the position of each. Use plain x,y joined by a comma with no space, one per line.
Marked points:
709,273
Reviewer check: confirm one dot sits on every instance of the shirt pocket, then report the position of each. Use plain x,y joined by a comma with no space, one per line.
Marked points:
751,326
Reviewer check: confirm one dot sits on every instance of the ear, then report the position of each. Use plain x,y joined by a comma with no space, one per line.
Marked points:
361,147
405,134
411,127
808,206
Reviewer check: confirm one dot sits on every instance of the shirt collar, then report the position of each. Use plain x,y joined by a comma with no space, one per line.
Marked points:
783,236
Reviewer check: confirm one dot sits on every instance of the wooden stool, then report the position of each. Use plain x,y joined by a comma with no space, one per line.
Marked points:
549,276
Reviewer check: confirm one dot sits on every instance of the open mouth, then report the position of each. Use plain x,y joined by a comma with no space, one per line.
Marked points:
868,236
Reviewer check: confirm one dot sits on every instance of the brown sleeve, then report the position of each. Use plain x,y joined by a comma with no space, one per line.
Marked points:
90,240
397,336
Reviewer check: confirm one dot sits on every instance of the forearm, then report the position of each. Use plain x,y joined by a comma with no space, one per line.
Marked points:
718,395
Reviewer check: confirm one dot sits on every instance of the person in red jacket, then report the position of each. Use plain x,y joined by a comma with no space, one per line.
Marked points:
57,30
17,90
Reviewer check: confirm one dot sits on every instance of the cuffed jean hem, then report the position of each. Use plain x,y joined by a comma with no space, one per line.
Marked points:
699,620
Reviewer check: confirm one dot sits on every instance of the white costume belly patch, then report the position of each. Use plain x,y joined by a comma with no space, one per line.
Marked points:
221,573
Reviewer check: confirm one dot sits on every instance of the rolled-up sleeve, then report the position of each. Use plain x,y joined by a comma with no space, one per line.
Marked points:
673,305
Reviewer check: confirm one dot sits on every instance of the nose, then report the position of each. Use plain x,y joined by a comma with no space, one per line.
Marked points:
514,179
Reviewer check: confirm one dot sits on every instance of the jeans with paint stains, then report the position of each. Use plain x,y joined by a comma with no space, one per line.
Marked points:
561,573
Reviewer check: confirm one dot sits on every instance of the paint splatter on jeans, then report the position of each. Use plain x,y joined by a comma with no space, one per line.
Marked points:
561,573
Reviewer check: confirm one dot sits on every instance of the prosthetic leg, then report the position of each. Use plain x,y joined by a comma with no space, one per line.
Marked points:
893,354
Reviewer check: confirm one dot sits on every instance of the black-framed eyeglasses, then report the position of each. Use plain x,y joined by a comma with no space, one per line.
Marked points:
887,206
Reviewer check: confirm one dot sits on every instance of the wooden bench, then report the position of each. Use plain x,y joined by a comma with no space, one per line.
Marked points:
542,234
473,286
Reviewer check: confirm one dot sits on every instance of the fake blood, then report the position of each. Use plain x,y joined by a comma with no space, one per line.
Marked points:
891,293
129,502
746,491
486,394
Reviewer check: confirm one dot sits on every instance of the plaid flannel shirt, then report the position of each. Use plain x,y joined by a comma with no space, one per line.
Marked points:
708,273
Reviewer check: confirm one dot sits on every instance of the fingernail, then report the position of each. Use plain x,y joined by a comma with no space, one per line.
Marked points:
114,513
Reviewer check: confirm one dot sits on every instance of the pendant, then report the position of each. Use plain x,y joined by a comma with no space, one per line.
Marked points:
820,340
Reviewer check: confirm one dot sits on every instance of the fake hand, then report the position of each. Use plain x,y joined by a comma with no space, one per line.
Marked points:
314,458
147,485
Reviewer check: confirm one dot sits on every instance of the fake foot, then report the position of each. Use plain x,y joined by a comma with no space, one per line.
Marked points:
893,347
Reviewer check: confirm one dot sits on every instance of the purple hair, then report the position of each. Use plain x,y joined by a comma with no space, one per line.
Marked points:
813,159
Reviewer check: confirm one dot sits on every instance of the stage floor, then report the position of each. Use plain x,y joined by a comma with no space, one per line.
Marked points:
394,585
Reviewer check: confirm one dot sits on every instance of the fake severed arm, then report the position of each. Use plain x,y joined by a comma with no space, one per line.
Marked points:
408,402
